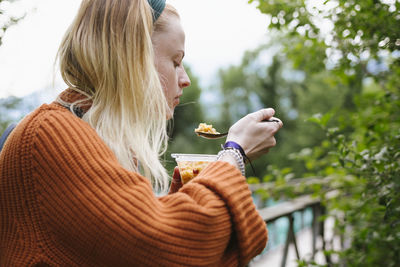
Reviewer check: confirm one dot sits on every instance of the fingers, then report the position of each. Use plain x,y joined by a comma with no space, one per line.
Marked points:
272,125
176,177
273,142
263,114
255,132
176,182
277,122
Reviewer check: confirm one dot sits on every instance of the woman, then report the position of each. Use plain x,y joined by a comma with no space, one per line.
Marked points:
77,175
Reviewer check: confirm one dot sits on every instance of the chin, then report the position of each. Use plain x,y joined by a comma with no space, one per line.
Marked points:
170,114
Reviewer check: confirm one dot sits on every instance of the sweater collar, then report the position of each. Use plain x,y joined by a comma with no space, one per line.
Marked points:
70,96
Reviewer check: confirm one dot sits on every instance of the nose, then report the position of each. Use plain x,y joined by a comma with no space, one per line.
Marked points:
184,80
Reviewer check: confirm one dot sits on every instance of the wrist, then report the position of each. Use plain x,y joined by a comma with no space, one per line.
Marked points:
235,146
234,157
229,159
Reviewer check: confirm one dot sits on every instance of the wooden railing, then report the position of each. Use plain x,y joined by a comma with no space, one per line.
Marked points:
287,209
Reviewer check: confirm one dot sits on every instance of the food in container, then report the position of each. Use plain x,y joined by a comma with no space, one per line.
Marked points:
190,165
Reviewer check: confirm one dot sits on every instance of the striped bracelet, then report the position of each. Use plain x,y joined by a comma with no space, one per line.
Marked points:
236,155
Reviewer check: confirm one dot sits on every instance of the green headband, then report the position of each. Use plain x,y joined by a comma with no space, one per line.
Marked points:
158,7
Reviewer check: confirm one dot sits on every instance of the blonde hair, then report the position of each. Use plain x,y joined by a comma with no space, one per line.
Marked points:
162,21
107,55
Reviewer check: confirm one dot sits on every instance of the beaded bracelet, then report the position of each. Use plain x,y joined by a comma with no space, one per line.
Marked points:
231,144
234,145
236,155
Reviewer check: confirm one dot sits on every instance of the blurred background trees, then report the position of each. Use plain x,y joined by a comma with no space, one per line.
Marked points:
6,20
349,54
9,107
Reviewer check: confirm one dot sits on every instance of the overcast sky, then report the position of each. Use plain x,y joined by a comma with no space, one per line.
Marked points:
217,34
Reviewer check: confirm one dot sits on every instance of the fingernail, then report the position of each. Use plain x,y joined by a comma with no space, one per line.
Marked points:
272,111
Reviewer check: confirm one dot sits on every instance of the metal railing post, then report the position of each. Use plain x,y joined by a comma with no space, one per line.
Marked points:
299,204
315,228
291,238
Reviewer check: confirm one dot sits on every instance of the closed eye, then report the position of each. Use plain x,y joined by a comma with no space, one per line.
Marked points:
178,58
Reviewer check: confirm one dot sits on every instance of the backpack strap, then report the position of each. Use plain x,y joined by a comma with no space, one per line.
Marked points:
6,133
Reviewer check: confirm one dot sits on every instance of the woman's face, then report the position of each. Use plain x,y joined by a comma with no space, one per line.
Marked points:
169,49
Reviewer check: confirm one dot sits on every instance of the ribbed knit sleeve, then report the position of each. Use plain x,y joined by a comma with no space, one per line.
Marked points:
90,211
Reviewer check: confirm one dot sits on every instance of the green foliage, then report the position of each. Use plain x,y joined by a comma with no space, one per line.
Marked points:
354,26
355,65
295,97
8,106
6,21
370,200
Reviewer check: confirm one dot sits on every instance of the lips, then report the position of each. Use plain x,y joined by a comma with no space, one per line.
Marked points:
176,99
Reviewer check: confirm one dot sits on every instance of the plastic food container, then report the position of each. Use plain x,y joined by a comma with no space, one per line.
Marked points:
190,165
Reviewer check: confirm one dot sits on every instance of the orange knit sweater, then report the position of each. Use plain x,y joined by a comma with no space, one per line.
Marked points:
66,201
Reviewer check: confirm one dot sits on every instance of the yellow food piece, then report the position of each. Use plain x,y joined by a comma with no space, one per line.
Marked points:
206,128
190,169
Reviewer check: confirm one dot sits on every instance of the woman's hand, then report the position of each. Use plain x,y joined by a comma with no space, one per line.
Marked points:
253,135
176,182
